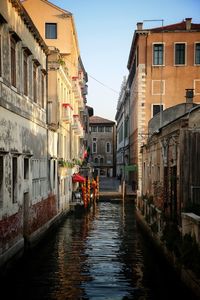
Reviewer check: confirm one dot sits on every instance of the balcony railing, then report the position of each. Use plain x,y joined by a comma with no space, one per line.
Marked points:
67,113
76,126
76,87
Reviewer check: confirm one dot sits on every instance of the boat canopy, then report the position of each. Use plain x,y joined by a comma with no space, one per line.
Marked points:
78,178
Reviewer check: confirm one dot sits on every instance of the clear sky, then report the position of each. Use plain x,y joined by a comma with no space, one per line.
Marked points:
105,29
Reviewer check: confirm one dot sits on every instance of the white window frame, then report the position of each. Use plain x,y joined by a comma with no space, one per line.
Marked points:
158,43
163,87
180,65
198,42
152,104
195,80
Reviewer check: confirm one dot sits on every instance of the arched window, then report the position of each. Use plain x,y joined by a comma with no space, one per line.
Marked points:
101,160
94,147
108,147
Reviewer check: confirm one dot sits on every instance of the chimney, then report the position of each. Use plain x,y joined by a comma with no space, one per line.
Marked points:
139,26
188,23
189,95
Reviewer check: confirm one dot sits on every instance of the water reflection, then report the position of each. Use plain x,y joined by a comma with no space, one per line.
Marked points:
101,255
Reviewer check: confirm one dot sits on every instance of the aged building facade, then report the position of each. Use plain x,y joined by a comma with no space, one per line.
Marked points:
162,63
102,145
24,188
42,113
169,205
170,161
67,92
122,133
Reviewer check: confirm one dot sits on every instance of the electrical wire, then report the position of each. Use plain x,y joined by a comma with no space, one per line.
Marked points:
108,87
103,84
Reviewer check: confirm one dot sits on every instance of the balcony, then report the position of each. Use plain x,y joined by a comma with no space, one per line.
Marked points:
76,126
76,87
67,113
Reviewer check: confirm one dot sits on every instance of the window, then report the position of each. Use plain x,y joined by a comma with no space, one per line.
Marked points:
43,91
156,109
13,61
1,180
197,54
108,129
25,74
96,160
158,54
26,168
100,128
51,31
93,128
180,54
197,86
126,123
94,147
101,160
120,133
14,179
158,87
35,83
54,174
108,147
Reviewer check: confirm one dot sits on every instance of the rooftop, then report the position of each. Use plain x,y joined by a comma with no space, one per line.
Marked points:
100,120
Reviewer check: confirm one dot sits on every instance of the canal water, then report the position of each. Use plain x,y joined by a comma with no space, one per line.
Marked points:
101,256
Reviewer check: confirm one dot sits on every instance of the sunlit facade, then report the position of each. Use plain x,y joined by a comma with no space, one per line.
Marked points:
163,62
66,93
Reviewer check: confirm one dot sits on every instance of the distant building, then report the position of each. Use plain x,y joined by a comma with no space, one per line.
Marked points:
102,146
163,62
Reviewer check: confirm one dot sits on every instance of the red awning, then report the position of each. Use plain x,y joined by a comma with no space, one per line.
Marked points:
78,178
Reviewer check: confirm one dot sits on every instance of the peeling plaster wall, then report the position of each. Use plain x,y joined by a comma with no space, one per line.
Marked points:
27,205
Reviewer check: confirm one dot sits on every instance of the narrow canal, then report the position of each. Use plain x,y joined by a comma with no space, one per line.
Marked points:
101,255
